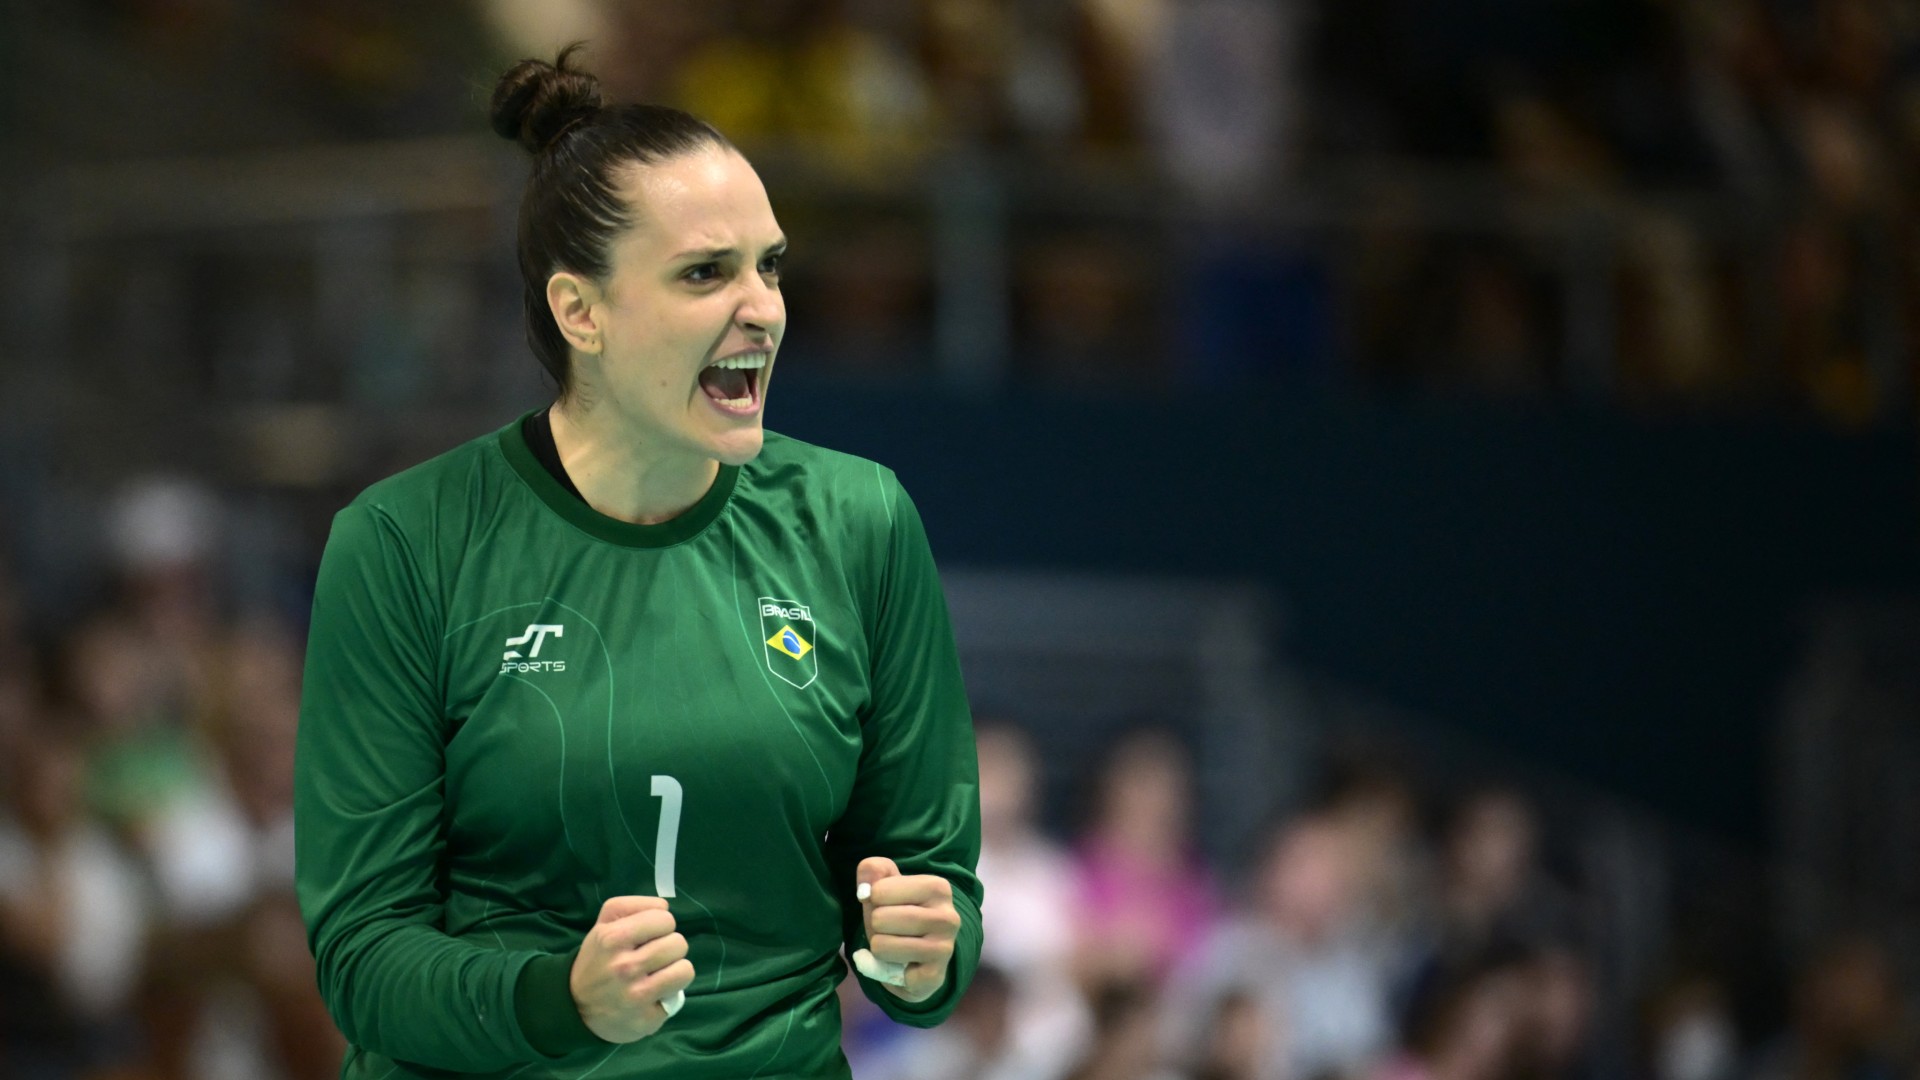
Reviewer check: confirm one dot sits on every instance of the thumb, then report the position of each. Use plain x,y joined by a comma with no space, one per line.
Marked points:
619,907
873,868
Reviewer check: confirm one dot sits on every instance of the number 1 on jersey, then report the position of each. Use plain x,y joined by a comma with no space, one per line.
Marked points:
668,842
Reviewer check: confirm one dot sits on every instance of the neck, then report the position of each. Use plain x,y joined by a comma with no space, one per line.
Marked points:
624,477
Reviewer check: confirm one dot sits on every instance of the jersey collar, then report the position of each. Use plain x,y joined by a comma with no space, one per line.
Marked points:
513,444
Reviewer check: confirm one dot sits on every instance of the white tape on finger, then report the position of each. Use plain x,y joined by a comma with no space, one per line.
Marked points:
674,1004
887,971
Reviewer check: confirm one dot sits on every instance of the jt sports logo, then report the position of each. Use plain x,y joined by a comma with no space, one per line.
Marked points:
790,636
537,634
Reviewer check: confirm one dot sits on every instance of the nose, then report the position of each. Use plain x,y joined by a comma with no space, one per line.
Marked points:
763,310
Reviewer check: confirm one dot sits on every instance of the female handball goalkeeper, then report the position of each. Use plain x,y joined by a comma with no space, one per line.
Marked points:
623,722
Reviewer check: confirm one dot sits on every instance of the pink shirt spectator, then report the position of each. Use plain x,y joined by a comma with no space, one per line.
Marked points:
1141,914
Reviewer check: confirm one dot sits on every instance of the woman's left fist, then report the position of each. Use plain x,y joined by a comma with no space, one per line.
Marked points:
911,924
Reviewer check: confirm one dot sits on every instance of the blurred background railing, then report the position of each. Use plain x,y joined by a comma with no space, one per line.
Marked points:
370,276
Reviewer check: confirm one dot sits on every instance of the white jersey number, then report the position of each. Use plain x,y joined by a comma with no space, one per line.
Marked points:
668,843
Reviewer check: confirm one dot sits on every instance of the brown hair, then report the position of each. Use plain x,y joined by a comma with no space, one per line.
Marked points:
571,209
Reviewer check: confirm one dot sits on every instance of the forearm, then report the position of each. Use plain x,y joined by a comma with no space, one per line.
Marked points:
412,993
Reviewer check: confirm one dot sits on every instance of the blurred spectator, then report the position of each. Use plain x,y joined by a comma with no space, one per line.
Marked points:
1046,96
1736,78
834,77
1224,106
1556,1016
1691,1033
1223,86
866,290
1464,1024
188,722
165,533
1083,316
1116,37
1492,887
1372,798
976,1042
74,920
1452,317
140,677
1846,1022
1145,898
1031,925
1678,339
1301,951
236,983
1125,1042
968,50
1238,1044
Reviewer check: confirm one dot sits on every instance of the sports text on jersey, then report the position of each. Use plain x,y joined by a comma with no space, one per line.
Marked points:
537,634
773,610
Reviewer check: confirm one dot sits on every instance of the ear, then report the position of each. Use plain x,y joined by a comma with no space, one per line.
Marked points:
572,299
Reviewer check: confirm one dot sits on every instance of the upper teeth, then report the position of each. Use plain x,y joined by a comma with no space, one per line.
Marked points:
750,360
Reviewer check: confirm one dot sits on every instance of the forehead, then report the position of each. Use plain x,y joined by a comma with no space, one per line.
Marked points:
710,198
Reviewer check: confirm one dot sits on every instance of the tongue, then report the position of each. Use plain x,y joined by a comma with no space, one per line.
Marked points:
722,384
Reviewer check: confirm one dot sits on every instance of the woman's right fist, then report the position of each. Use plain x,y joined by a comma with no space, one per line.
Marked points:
629,968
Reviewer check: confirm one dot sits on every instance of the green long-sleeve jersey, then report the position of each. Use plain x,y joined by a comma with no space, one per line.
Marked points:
516,707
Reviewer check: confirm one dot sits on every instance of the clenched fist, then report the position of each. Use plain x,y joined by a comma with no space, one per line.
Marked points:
911,925
632,970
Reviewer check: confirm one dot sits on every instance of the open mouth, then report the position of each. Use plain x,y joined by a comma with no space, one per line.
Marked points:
733,384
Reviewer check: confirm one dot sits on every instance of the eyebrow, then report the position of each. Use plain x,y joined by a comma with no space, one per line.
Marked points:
716,254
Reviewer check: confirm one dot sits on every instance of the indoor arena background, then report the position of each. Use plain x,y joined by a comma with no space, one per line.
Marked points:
1415,481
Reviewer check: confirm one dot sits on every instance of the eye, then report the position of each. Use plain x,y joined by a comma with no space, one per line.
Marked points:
771,265
701,272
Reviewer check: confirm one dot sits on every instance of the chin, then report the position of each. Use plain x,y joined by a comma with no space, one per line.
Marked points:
739,447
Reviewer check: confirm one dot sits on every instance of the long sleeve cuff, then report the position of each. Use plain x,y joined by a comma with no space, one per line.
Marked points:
543,1004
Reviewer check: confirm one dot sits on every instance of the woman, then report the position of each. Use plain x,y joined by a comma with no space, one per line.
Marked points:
631,704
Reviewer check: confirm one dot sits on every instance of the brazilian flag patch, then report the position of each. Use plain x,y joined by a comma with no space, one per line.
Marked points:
790,641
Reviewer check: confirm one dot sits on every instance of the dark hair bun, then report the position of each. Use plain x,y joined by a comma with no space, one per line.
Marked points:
535,101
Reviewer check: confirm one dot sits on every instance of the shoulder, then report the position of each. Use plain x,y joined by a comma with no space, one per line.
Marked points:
844,487
452,481
427,514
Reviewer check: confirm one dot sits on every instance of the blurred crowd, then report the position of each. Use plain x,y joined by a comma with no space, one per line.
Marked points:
148,926
1368,938
148,929
1670,201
